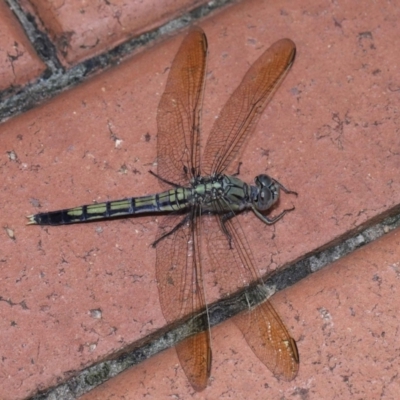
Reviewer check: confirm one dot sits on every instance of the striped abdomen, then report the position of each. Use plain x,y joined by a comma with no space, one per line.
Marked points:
171,200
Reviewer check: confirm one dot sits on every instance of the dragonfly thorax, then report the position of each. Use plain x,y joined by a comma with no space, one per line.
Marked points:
207,189
265,194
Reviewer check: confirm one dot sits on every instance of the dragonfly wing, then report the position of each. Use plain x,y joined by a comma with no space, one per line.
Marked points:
234,266
241,113
230,255
178,269
194,354
178,116
269,339
181,291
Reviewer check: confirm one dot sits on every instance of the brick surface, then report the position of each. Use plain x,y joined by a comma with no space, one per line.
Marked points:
19,64
345,325
81,30
331,134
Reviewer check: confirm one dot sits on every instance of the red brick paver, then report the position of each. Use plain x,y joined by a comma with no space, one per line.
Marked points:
19,63
81,30
331,133
344,322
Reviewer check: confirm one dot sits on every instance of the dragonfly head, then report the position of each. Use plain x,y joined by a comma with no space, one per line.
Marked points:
266,193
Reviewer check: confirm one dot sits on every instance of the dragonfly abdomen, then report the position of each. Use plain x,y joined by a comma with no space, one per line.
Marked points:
172,200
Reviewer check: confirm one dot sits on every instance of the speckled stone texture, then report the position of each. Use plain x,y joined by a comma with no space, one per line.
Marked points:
72,296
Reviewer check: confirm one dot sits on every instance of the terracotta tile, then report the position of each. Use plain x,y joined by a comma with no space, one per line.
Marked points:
349,324
19,64
81,30
345,326
331,133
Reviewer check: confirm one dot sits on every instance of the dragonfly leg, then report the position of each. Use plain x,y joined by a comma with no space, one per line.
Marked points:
174,229
193,172
165,181
271,221
238,170
286,190
223,219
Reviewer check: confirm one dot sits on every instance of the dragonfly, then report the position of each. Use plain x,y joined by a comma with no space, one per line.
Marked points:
201,200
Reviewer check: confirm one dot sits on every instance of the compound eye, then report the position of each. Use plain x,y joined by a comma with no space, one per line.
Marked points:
263,181
265,199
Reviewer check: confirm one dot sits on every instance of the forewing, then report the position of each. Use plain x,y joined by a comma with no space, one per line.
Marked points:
241,113
229,251
234,265
181,291
179,112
